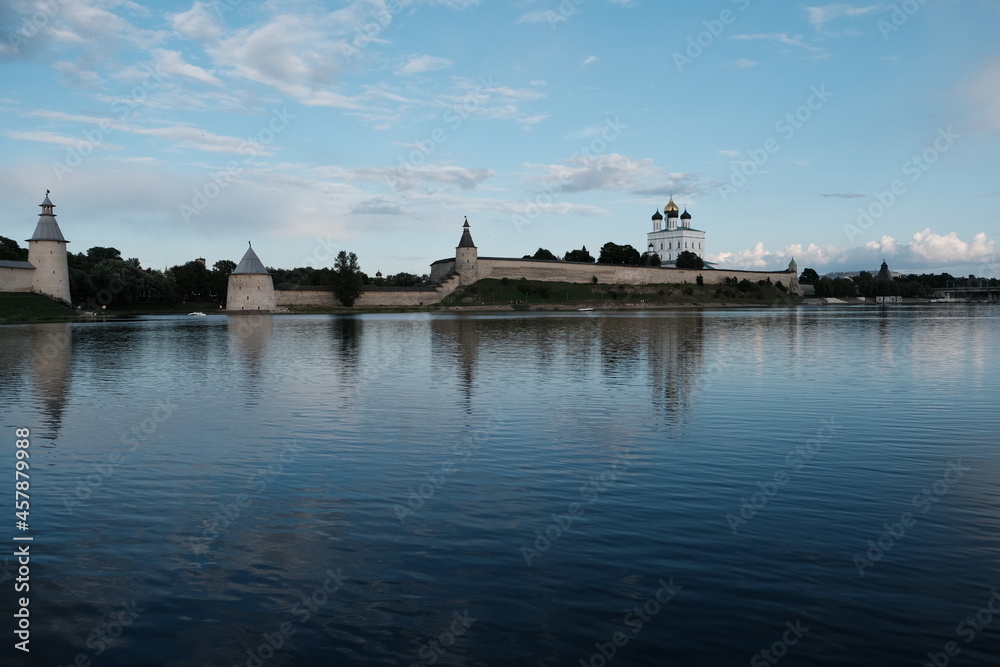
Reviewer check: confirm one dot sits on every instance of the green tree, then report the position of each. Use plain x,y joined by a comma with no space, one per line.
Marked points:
99,254
224,266
347,279
689,260
542,253
808,276
612,253
649,259
580,255
11,251
193,281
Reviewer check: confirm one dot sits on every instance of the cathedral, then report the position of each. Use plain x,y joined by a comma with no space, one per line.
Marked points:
672,234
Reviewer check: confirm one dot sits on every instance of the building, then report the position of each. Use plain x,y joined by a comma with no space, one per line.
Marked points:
673,234
47,270
250,285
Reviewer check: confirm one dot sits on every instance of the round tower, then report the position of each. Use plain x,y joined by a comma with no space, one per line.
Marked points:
47,253
466,258
250,285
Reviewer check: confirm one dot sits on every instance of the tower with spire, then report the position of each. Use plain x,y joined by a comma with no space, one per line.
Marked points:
250,285
673,234
47,253
466,257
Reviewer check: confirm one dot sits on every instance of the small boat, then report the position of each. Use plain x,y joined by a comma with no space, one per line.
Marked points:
585,310
198,313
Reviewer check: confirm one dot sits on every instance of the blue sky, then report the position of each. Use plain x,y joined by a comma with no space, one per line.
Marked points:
840,134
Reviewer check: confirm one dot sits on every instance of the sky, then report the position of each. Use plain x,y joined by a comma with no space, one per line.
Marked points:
835,134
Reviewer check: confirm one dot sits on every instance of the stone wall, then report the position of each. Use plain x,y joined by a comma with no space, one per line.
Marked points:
612,274
16,280
371,297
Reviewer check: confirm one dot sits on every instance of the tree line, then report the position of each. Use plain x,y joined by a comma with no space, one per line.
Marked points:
102,277
612,253
912,285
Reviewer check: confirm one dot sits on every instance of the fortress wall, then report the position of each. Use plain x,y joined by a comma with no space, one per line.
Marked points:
442,268
370,297
611,274
319,298
16,280
250,291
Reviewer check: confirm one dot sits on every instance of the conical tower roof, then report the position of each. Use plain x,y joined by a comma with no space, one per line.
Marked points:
466,241
47,228
250,264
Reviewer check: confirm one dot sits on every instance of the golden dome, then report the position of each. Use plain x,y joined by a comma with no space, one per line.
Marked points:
671,206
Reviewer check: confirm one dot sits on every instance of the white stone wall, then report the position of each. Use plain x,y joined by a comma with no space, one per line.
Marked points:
16,280
573,272
250,291
51,274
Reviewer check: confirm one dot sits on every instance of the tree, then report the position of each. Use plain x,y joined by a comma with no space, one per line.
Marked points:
612,253
808,276
542,253
348,281
98,254
579,256
650,259
11,251
689,260
224,266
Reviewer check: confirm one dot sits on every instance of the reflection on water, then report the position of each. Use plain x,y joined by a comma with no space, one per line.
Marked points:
360,481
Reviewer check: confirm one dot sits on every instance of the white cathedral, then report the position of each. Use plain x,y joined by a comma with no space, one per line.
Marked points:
672,234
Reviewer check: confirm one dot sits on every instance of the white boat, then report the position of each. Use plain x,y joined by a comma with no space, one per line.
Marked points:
584,310
197,313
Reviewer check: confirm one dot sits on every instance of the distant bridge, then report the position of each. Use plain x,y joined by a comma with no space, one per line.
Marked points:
991,294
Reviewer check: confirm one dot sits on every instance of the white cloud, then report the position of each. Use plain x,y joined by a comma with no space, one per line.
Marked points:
820,16
785,39
418,64
60,140
198,23
600,172
926,251
171,62
590,60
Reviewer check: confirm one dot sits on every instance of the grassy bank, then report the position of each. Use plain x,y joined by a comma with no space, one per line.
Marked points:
492,292
18,307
